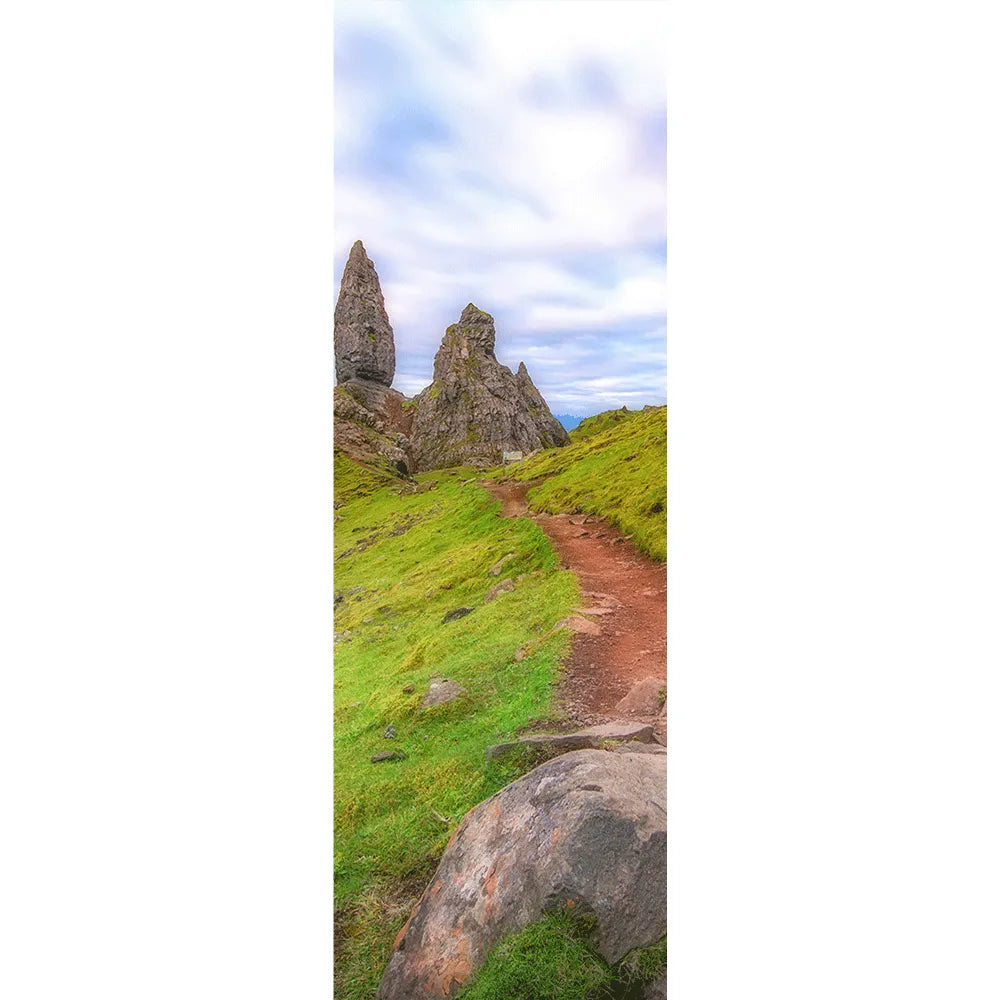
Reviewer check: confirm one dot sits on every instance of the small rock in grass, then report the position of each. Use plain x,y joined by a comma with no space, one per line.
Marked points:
440,691
407,689
455,614
503,587
383,755
495,569
367,621
657,989
389,733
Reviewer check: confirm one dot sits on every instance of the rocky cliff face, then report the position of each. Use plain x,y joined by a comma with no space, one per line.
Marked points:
362,336
476,408
370,424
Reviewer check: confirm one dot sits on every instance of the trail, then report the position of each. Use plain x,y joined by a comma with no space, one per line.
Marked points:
624,596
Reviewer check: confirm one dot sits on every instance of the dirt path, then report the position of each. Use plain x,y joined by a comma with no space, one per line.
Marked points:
625,605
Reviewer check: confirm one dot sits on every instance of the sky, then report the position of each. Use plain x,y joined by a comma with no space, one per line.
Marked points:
512,155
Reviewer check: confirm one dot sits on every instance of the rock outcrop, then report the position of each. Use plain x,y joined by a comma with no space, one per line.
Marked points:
362,337
588,829
476,408
538,409
646,698
592,738
370,420
473,411
370,425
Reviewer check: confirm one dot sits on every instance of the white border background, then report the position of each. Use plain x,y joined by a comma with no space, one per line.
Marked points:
166,725
165,713
833,500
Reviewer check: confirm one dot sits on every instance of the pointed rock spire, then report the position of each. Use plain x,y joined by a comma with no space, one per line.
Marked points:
362,336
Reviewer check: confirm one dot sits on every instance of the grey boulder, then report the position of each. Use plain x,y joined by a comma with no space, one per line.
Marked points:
588,828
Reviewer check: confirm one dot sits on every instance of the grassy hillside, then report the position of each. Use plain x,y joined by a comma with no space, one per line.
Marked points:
354,481
402,560
590,426
615,467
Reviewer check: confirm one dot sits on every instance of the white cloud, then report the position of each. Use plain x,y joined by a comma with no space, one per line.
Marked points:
488,214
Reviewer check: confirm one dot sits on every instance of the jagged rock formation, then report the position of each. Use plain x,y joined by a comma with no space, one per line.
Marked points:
473,411
370,419
588,829
476,408
362,336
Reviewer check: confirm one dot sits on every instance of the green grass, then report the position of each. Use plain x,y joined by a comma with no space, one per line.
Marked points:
590,426
550,960
555,959
353,481
614,467
402,560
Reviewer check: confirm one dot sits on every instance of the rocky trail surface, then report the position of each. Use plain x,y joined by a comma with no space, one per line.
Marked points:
618,663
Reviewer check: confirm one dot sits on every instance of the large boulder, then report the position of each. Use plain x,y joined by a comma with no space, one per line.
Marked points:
588,829
362,336
476,408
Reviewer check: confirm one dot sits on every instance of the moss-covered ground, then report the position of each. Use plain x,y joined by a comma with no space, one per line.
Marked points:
402,560
615,467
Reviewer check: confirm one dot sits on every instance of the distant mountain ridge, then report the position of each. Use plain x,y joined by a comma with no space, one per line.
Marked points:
567,421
